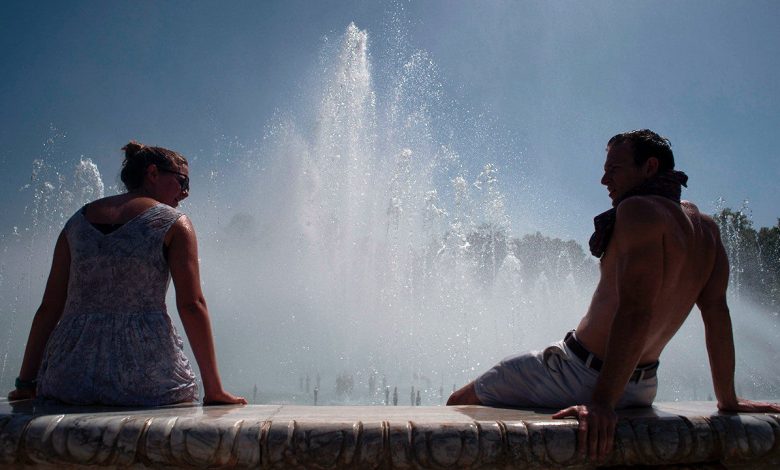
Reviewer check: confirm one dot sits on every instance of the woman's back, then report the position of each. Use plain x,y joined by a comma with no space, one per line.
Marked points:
123,271
115,333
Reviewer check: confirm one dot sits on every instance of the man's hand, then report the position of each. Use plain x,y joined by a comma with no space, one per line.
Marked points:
749,406
596,432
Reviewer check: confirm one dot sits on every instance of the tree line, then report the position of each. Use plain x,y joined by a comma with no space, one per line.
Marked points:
754,257
536,257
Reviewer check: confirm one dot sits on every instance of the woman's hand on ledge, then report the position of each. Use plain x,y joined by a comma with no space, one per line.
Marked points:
223,398
21,394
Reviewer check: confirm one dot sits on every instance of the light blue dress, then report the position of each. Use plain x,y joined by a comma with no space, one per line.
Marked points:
115,343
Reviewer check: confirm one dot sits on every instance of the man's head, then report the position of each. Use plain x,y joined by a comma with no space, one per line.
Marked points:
632,158
645,144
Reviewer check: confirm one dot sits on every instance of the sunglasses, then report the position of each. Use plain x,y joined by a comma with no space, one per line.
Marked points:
184,180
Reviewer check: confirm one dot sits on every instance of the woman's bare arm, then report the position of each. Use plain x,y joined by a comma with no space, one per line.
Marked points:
46,317
183,262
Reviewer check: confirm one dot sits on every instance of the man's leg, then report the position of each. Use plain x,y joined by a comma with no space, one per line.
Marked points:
532,378
467,395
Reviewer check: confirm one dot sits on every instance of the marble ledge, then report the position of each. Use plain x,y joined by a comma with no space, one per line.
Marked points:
682,435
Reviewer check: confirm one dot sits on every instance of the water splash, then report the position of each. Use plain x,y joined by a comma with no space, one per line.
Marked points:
374,240
366,236
58,186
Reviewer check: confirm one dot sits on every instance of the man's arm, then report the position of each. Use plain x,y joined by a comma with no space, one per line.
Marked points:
719,336
638,243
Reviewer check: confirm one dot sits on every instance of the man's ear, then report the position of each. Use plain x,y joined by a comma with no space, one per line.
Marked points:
651,166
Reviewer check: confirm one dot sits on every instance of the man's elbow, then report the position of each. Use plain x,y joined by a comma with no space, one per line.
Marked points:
714,312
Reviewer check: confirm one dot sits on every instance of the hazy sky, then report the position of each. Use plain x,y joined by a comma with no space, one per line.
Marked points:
557,79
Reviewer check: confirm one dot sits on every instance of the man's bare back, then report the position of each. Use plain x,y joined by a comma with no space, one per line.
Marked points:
690,242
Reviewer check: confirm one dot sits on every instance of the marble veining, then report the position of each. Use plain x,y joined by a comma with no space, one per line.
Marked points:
265,436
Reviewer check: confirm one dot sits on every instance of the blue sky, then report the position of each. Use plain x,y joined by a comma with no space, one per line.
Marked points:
556,79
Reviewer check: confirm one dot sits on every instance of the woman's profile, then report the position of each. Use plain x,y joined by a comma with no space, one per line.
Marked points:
102,334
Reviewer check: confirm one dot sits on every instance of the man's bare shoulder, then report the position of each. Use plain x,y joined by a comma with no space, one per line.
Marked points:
641,210
692,211
704,220
640,221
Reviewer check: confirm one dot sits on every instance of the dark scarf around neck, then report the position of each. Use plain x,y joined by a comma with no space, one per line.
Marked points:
667,184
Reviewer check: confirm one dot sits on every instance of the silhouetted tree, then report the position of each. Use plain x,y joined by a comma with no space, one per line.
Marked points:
754,257
488,245
553,257
769,256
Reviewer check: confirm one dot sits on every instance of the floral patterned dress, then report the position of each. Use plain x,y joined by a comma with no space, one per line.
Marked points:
115,343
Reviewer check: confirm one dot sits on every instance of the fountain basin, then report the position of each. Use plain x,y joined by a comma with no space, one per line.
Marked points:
284,436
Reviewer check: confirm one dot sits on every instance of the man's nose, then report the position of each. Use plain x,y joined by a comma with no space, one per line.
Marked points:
604,179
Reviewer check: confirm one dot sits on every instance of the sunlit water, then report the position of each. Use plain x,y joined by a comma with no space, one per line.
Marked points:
364,247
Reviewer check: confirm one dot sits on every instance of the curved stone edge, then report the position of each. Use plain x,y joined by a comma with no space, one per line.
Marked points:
165,441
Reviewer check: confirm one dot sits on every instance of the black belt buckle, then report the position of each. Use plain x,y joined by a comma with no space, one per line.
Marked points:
644,372
590,359
593,362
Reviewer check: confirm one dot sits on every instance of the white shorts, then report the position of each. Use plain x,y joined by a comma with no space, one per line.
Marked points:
553,378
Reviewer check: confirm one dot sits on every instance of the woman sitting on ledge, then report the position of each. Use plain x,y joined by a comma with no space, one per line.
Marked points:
102,334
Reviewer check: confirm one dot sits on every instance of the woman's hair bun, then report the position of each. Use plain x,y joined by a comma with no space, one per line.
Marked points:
139,156
132,149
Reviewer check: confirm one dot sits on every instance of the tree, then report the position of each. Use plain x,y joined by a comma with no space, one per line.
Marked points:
553,257
754,257
769,258
488,245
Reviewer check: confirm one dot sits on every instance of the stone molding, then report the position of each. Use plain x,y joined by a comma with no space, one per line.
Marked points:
268,436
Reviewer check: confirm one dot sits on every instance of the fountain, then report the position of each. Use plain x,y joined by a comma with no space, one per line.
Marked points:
360,223
367,237
365,223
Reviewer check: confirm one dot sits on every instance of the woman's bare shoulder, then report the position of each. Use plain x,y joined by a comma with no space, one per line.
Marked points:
117,209
182,229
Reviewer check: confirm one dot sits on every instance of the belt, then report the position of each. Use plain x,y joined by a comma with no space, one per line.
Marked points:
640,373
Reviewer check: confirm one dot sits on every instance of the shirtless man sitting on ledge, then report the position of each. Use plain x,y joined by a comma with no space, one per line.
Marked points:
659,258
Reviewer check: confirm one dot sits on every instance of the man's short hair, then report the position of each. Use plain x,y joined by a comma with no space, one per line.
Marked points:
646,144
